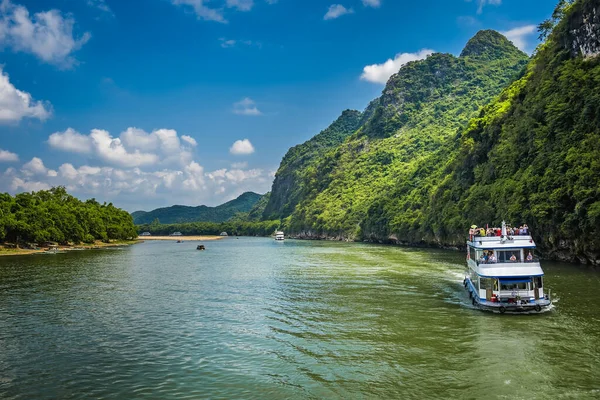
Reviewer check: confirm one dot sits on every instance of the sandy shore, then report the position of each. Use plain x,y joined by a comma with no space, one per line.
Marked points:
182,238
4,251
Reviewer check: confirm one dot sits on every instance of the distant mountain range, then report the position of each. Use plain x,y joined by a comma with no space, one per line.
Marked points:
180,214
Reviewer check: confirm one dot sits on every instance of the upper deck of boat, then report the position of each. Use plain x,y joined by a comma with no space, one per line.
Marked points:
501,242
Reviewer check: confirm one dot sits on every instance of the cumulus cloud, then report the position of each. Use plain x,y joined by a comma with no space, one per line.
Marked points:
372,3
241,5
482,3
202,11
71,141
242,147
136,188
246,106
380,73
133,148
520,35
189,140
101,5
7,156
48,34
16,104
336,11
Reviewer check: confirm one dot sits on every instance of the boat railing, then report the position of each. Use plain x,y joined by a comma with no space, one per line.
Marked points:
511,263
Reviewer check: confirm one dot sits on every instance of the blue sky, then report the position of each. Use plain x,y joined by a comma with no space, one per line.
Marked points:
161,102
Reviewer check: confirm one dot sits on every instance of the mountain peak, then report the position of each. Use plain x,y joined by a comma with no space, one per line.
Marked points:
490,45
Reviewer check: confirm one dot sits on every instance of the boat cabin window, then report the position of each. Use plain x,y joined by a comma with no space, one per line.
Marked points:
507,256
538,281
488,283
507,285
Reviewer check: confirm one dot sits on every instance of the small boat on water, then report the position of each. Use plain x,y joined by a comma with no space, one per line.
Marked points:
279,236
502,274
200,247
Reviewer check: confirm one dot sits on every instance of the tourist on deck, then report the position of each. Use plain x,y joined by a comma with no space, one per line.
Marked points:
481,232
482,259
513,258
498,231
525,230
492,259
517,231
489,232
529,257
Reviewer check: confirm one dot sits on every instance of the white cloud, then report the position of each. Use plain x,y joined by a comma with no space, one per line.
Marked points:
35,167
380,73
242,147
21,185
336,11
483,3
520,35
190,140
71,141
372,3
100,5
241,5
246,106
240,165
7,156
16,105
133,148
202,11
47,34
140,188
226,43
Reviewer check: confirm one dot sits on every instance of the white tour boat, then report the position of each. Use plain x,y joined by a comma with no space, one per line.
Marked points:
502,274
279,236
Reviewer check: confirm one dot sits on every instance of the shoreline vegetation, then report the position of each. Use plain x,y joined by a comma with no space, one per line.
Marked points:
191,238
10,249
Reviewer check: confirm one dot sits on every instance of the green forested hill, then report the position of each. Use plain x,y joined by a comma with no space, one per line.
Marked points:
421,109
430,161
180,214
534,154
54,215
287,188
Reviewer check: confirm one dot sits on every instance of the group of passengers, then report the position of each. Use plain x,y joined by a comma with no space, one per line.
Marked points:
488,257
490,232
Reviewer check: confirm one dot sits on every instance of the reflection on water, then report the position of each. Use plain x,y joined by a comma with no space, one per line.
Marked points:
251,318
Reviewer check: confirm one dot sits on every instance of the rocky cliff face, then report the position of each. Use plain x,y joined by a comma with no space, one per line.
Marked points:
584,30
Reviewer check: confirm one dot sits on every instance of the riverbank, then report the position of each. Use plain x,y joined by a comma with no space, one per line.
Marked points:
13,251
182,238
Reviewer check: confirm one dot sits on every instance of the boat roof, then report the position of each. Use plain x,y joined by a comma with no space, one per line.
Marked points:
499,242
509,270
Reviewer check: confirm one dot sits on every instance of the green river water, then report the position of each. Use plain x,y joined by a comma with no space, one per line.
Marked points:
251,318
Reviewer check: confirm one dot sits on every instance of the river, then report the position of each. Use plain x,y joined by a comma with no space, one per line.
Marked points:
254,318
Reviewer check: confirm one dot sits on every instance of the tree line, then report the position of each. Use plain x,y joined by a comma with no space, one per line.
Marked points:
56,216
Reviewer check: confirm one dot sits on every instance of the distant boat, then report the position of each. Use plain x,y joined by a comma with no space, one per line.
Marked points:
279,236
223,234
145,234
176,234
180,241
200,247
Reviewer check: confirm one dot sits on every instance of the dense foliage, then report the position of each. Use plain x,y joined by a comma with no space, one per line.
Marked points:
534,154
420,111
54,215
234,227
181,214
287,188
420,169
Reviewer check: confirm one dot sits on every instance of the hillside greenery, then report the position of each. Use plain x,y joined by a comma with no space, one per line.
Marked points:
182,214
287,187
420,112
54,215
484,137
236,227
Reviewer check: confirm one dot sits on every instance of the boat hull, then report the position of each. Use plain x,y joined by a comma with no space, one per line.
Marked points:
501,307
